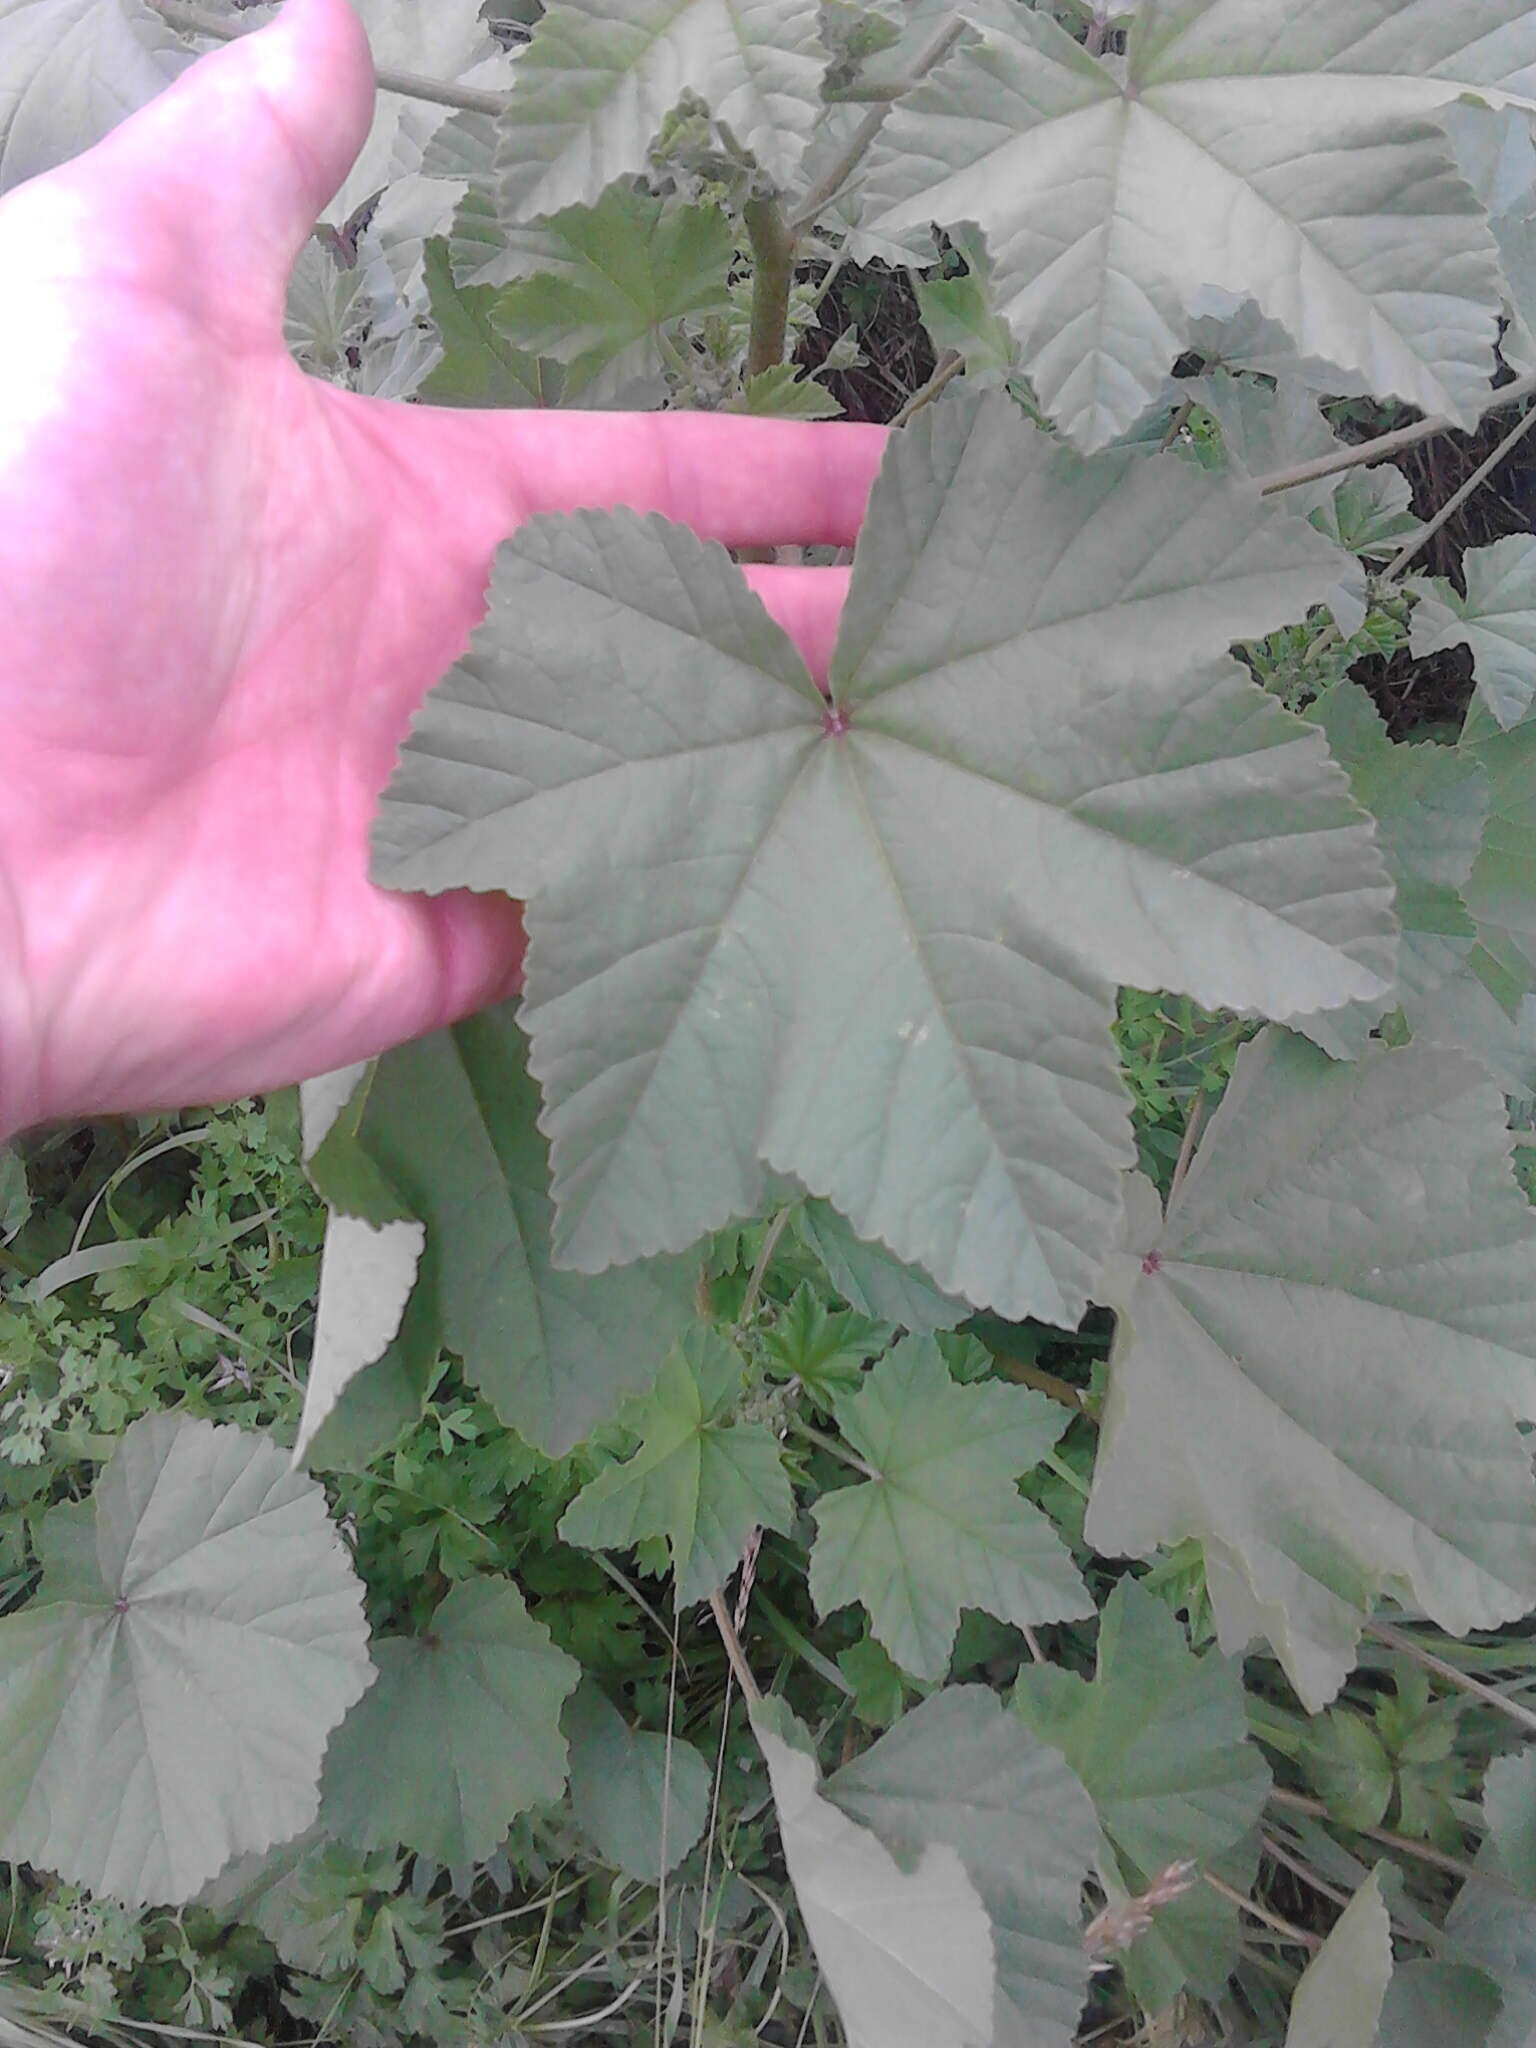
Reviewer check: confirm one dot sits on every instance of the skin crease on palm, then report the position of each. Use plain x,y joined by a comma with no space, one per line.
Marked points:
225,588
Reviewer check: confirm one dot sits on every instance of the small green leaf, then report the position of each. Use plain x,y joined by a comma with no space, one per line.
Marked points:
870,1279
1496,619
164,1705
825,1349
609,276
958,313
785,392
641,1798
1350,1768
879,1689
941,1525
1338,2002
907,1955
460,1734
699,1480
1430,804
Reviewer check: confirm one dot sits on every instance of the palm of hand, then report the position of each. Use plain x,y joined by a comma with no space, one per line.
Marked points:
224,589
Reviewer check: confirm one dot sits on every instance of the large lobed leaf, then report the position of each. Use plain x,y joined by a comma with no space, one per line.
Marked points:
1321,1354
940,1524
1280,154
165,1701
460,1734
599,77
874,945
70,70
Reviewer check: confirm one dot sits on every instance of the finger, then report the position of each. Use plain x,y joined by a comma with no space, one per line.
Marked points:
807,603
746,482
237,159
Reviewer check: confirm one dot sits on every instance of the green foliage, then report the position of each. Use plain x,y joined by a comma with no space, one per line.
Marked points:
197,1635
938,1523
700,1481
781,1248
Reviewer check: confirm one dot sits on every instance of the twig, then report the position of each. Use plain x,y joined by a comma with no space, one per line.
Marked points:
1453,505
1278,1853
1192,1123
470,99
1462,1681
1454,1866
832,1447
950,365
733,1651
1385,445
766,1250
1025,1374
1255,1911
828,187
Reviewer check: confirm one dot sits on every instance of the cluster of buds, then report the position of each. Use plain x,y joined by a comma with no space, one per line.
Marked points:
1126,1920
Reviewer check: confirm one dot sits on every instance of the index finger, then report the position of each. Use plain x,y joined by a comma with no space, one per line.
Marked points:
741,481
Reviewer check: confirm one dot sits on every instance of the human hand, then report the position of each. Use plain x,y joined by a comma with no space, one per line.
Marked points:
225,587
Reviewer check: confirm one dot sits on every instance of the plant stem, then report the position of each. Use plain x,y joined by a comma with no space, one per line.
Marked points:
1422,1852
735,1656
1461,1681
828,187
773,270
1453,505
951,363
766,1250
833,1448
1025,1374
1385,445
1192,1125
468,98
1255,1911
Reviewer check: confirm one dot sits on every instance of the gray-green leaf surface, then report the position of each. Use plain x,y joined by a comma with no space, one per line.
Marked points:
940,1524
1159,1739
1321,1354
165,1701
961,1771
1496,618
596,82
1109,202
70,70
907,1954
873,943
445,1127
460,1734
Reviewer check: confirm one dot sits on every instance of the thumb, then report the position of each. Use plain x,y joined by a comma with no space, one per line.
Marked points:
221,178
